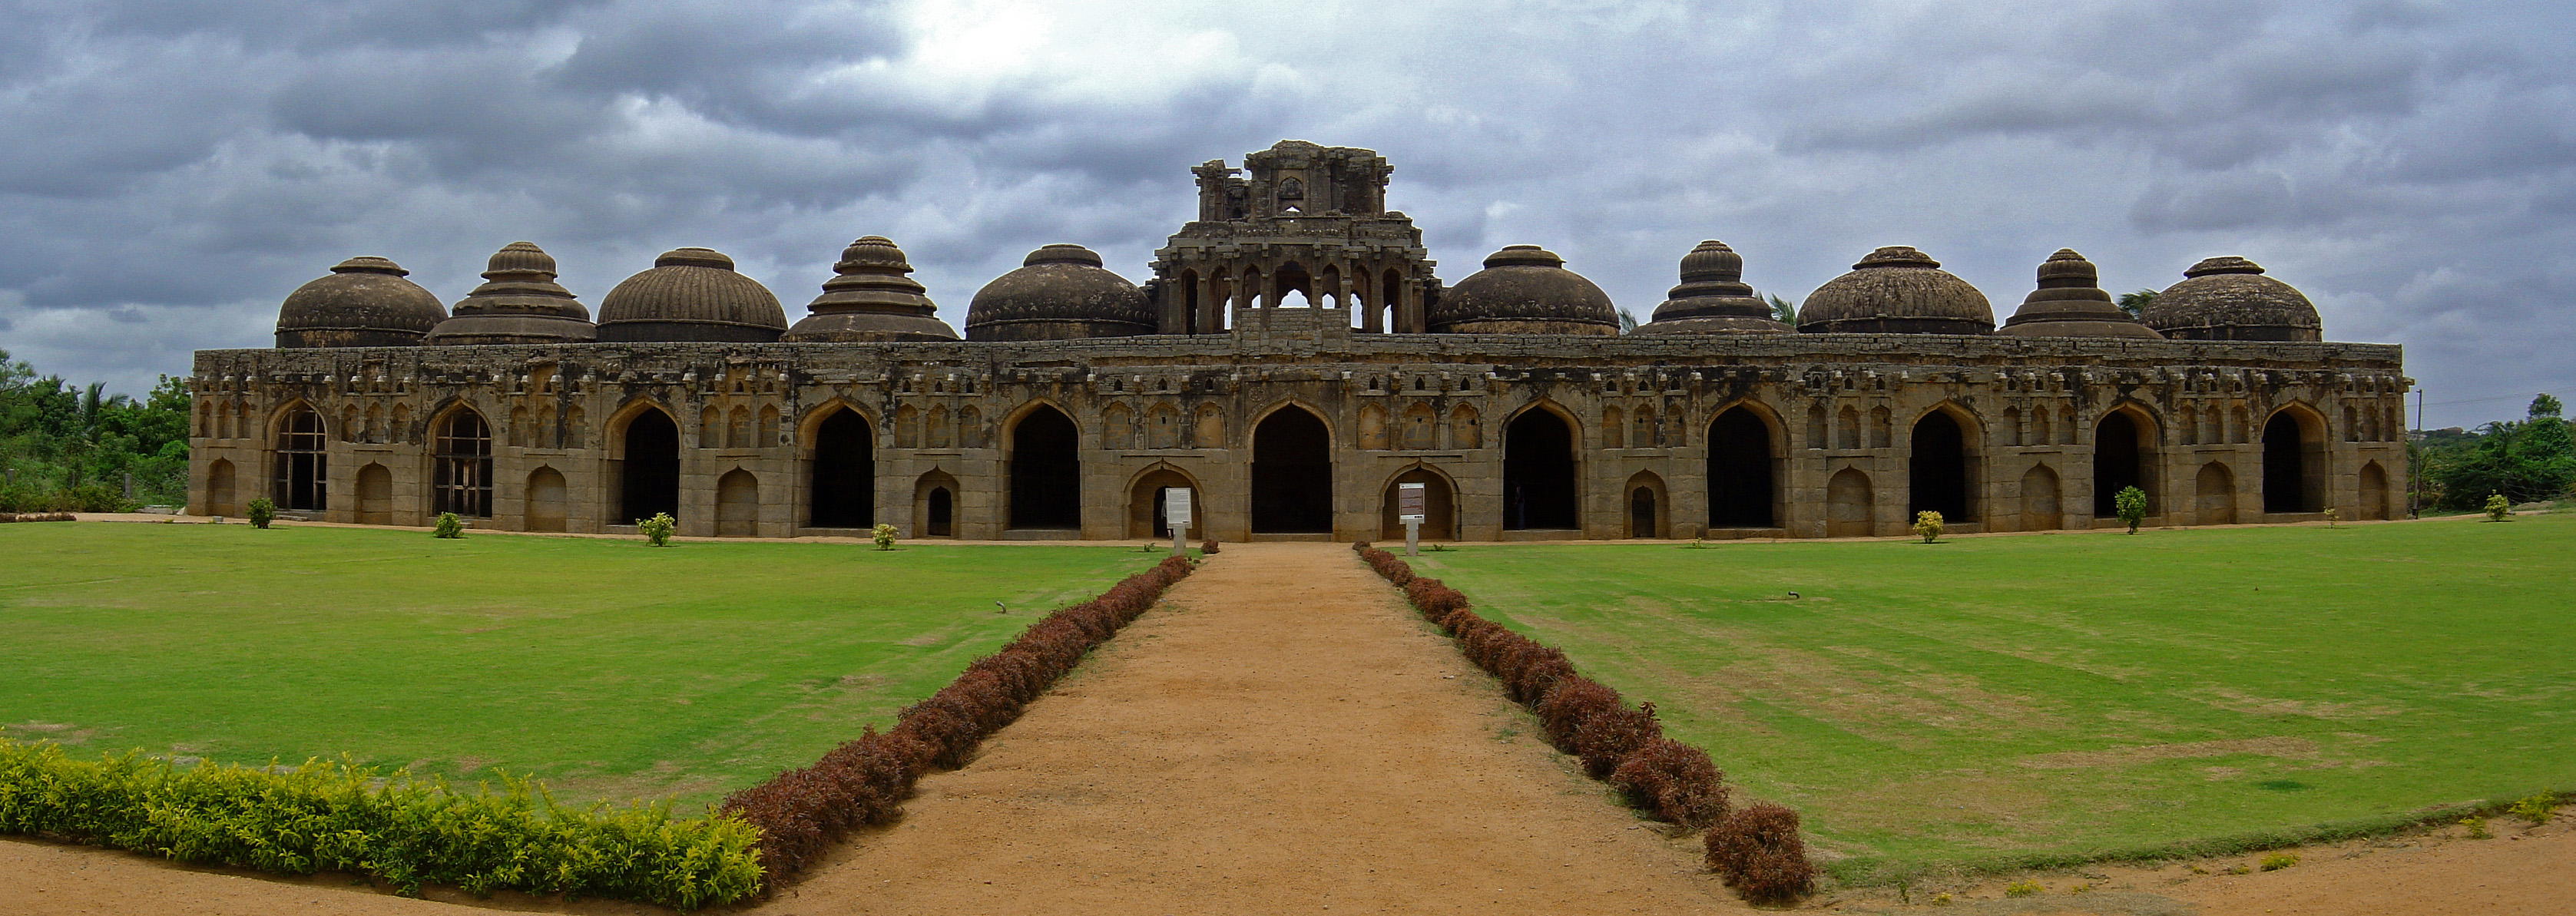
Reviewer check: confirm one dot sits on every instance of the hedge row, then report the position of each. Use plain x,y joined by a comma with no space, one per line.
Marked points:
326,816
6,517
864,781
1757,850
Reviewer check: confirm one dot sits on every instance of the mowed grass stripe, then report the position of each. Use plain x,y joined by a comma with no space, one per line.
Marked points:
2060,696
611,669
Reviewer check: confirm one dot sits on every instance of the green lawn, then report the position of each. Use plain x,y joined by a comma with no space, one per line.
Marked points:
608,668
2027,699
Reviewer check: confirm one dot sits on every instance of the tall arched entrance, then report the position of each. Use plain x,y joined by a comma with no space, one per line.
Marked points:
2294,464
1292,473
1439,507
303,470
1538,472
1046,471
1740,491
2374,492
2122,455
844,472
1937,468
649,472
462,479
934,505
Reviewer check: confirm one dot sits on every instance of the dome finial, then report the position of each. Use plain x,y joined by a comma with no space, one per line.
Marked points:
870,298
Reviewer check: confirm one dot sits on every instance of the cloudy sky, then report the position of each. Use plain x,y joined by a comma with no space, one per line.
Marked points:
170,170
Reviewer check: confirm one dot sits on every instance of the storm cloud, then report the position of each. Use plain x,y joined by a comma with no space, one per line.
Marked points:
171,171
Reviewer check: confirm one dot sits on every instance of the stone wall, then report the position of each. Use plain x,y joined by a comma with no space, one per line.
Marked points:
946,412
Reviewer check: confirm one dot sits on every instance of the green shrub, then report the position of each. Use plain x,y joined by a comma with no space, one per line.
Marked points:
449,526
2535,809
2498,507
2278,861
2023,888
2131,503
262,512
2477,828
326,816
883,535
657,530
1928,524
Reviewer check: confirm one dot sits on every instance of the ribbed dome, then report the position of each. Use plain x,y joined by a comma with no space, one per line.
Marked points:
2230,299
1896,290
1712,299
1059,293
365,302
1524,289
519,303
870,298
691,294
2070,303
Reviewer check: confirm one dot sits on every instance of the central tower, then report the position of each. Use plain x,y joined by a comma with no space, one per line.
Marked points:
1311,220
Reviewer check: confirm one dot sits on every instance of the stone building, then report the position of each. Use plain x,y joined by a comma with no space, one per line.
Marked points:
1076,396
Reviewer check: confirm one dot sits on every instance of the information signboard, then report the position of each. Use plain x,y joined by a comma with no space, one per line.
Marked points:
1176,507
1408,501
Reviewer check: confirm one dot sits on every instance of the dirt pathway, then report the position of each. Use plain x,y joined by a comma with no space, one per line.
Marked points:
1279,737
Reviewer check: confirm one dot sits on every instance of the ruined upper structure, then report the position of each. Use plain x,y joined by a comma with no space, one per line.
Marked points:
1309,221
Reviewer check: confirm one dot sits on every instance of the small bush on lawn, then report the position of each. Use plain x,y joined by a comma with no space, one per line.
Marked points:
2278,861
1928,524
1759,853
2535,809
1673,781
883,535
2131,504
262,512
326,816
657,530
2498,507
449,526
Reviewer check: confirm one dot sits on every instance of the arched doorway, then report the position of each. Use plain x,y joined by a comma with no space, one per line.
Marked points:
303,470
1937,467
738,505
2214,494
1046,471
844,472
2294,463
1538,472
1145,503
648,472
1849,505
2040,508
1439,506
2374,492
220,498
2123,453
1643,505
461,481
376,495
1292,473
934,505
547,500
1740,491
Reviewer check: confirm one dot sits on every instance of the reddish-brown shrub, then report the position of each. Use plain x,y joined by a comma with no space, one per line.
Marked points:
1673,781
1574,701
1207,547
1609,737
1759,853
1531,670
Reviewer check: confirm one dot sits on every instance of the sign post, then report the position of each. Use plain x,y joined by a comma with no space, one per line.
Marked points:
1408,506
1176,513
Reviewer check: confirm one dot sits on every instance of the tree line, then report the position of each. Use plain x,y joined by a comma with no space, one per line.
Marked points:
2528,460
70,448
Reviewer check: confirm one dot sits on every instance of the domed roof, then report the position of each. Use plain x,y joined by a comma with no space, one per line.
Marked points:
2230,299
1896,290
870,298
519,303
2070,303
1060,292
1524,289
691,294
365,302
1712,299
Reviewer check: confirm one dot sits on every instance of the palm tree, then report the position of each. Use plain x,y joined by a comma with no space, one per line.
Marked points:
1782,309
2136,303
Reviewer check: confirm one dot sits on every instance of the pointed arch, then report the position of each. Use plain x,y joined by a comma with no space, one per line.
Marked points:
547,500
1940,460
2214,494
2294,459
1439,503
2373,482
1145,499
2124,455
1117,427
646,441
1541,470
1045,467
221,497
1421,431
1745,453
1207,427
1372,427
935,505
2042,499
738,504
1646,505
461,462
1466,428
300,444
1614,427
1850,506
1292,471
376,495
841,467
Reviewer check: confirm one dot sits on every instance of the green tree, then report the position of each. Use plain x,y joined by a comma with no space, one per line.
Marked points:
68,447
2136,303
1782,309
2532,460
1627,322
2131,503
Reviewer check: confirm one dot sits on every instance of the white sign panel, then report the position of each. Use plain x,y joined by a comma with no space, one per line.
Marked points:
1176,507
1408,501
